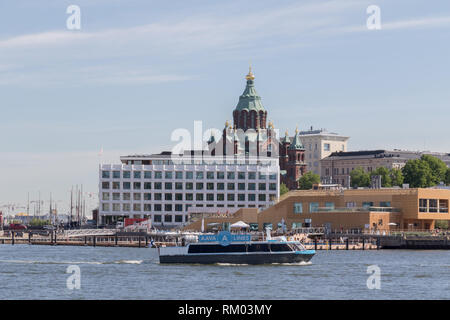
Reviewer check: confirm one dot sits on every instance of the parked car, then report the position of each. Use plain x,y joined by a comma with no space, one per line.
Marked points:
17,226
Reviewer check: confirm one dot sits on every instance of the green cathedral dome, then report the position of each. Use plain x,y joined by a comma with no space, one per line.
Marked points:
250,100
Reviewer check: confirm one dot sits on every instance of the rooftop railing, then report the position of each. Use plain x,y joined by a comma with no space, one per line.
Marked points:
357,209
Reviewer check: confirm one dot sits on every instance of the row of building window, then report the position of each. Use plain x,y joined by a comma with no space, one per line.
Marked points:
343,171
433,205
157,207
186,186
187,196
157,218
184,175
210,162
313,206
326,147
126,207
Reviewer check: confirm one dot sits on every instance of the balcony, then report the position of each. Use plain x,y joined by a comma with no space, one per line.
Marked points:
357,209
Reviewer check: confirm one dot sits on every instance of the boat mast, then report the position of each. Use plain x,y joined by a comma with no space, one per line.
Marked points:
50,212
39,205
71,207
81,203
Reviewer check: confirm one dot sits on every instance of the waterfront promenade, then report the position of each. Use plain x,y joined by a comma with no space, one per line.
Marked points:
332,241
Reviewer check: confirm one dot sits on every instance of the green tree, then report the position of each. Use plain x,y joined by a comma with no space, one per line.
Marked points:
442,224
307,180
396,177
437,166
418,174
447,177
283,189
359,178
38,222
386,180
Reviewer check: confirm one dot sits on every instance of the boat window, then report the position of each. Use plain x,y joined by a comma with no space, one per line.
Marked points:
278,247
296,247
216,248
258,247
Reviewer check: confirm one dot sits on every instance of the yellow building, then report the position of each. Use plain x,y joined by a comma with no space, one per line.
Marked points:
357,209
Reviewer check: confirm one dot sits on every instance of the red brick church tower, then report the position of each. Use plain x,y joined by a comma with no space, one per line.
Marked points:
292,160
249,112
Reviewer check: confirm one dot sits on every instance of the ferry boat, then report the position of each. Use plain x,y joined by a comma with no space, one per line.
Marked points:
236,249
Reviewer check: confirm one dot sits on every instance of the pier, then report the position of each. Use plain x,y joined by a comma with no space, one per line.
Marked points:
95,237
315,240
348,241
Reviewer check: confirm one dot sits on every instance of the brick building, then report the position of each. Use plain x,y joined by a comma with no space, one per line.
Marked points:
253,135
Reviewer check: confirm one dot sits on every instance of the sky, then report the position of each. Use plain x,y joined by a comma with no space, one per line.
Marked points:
137,70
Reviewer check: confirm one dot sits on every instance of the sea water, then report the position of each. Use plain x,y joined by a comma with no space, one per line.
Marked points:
40,272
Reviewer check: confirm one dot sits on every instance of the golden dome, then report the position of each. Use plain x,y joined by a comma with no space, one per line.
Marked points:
250,75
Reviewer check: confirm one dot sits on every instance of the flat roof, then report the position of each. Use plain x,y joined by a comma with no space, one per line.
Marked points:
382,153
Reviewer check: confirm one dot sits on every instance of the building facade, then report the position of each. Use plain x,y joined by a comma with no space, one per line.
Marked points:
320,144
351,209
336,168
168,191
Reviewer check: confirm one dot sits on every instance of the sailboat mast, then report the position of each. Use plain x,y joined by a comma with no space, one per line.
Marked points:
50,210
71,207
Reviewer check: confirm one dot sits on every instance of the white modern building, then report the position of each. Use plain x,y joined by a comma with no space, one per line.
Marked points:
168,191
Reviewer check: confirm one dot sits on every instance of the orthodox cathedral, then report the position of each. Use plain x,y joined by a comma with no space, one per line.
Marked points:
252,135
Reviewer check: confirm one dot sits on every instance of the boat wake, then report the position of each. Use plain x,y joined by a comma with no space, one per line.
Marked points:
49,262
72,262
128,262
302,263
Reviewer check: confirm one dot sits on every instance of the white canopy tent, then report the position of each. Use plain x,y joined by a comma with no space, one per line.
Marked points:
239,224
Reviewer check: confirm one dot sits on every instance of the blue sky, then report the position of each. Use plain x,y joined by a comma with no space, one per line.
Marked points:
137,70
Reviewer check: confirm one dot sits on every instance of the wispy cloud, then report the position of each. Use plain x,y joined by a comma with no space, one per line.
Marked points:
428,22
43,39
405,24
212,35
206,29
